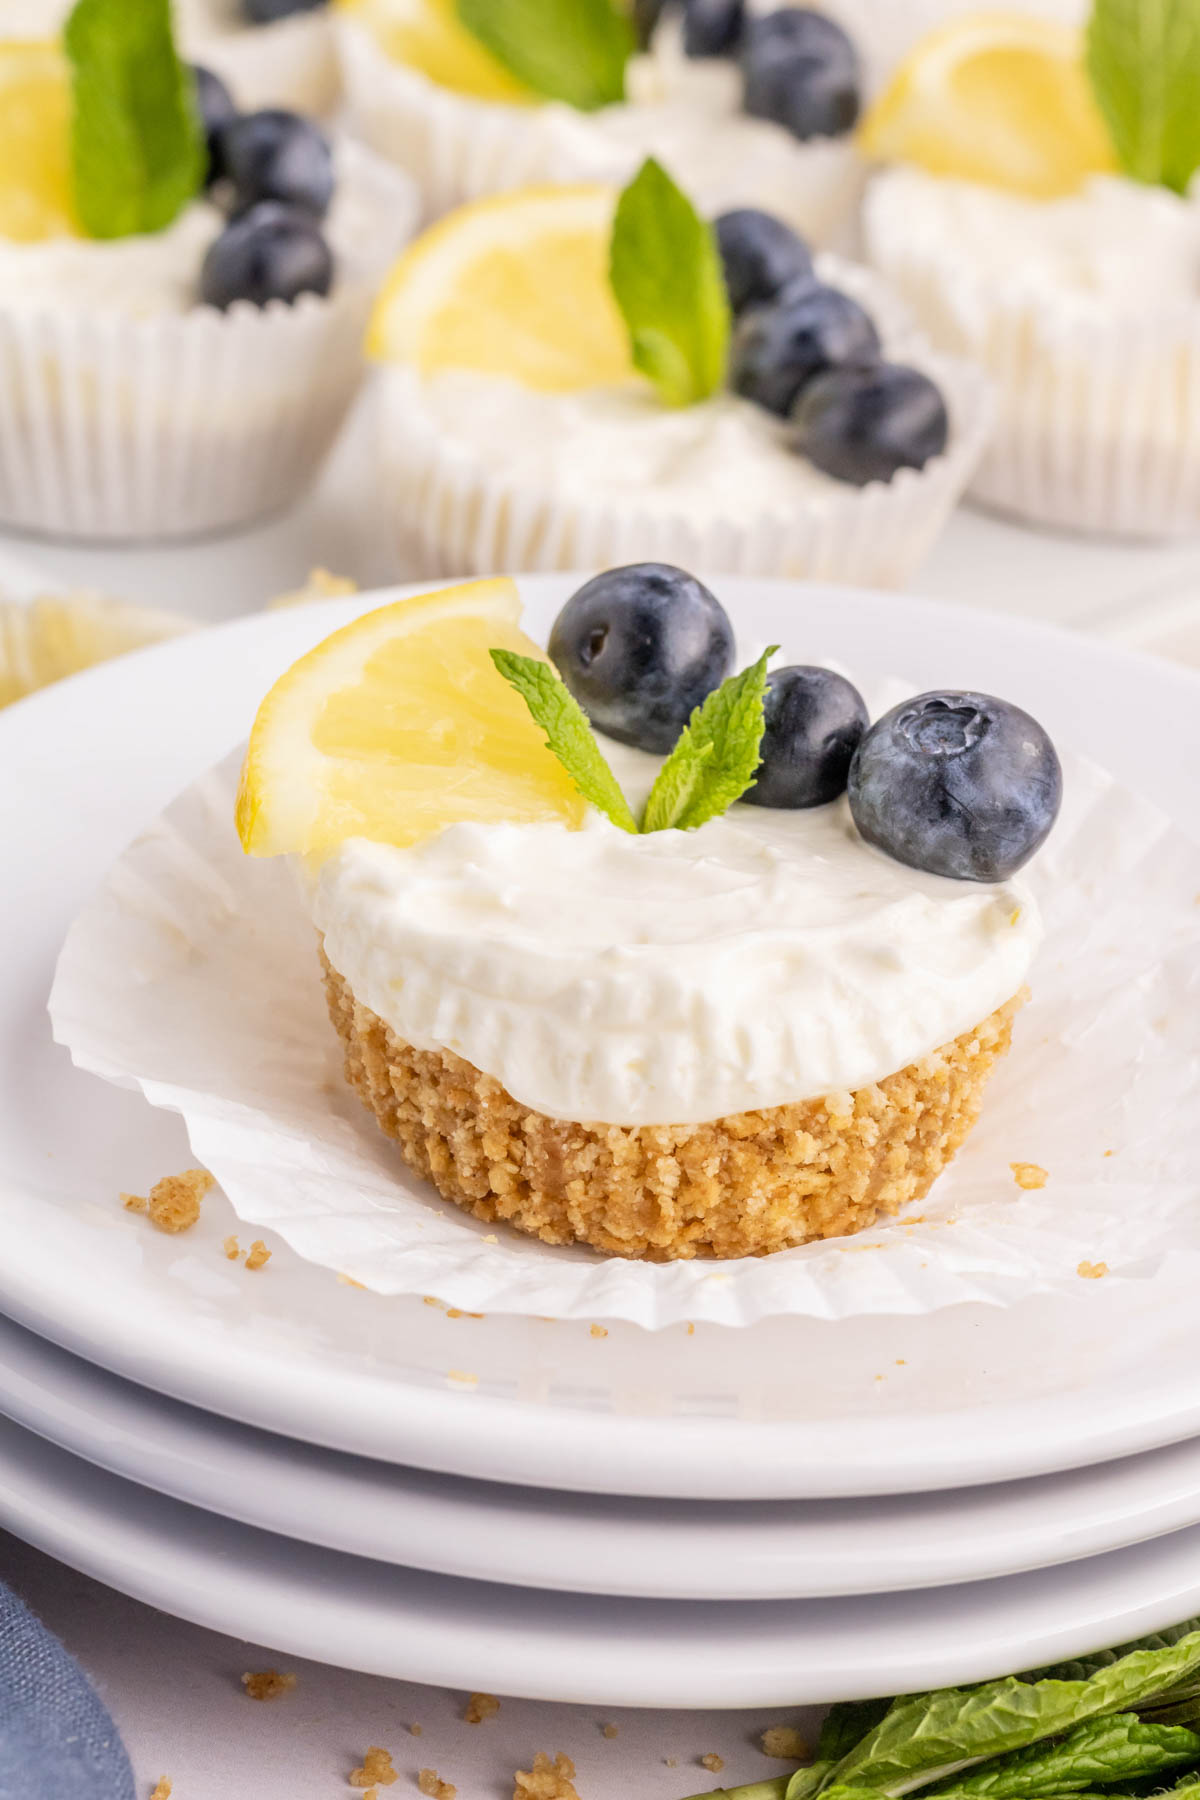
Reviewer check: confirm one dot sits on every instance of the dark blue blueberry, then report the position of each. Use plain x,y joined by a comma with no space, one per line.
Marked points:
801,71
639,648
277,155
215,104
265,12
712,27
862,425
814,721
761,256
270,252
779,348
958,784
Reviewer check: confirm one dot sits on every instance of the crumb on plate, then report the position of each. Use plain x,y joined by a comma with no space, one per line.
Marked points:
134,1202
480,1707
258,1256
267,1684
785,1742
1029,1175
1091,1271
431,1783
376,1767
463,1375
349,1281
598,1331
174,1203
546,1780
232,1249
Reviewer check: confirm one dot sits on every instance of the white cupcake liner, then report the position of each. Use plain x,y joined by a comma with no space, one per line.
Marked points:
291,62
460,148
454,514
192,976
114,427
1098,414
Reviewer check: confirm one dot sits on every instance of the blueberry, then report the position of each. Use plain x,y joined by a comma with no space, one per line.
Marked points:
277,155
958,784
862,424
712,27
265,12
779,348
215,104
761,256
639,647
814,721
270,252
801,71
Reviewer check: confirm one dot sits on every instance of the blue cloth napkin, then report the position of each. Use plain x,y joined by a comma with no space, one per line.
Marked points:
57,1742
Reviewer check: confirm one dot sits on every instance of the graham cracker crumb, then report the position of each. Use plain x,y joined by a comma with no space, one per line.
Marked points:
712,1762
349,1281
258,1256
376,1767
372,1793
671,1762
134,1202
431,1783
462,1375
162,1791
454,1312
611,1731
491,1238
546,1780
480,1707
231,1248
415,1730
432,1300
1092,1271
901,1362
691,1330
1110,1153
268,1684
785,1742
174,1203
1029,1175
321,585
598,1331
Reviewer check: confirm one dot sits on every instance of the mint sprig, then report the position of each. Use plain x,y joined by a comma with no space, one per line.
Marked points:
714,761
711,766
572,50
137,147
667,279
1143,57
568,733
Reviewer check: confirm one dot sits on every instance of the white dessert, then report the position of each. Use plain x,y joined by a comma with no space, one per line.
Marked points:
676,977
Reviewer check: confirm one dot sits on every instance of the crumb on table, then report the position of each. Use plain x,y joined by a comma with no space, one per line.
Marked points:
376,1767
610,1731
174,1203
231,1248
480,1707
785,1742
598,1331
546,1780
134,1203
463,1375
267,1684
415,1730
671,1762
1091,1271
162,1791
258,1256
1029,1175
712,1762
431,1783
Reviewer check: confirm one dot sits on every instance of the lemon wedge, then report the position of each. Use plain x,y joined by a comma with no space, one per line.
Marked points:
47,639
427,36
35,133
398,725
998,98
513,285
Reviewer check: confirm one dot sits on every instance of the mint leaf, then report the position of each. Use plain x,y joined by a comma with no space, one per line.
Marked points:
568,733
666,274
572,50
714,761
1143,57
137,148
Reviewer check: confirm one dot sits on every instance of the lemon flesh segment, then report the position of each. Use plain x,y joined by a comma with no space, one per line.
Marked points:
996,98
35,143
44,640
397,726
515,285
427,36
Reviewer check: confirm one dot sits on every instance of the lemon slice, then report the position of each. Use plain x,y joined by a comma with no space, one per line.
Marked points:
513,285
427,36
997,98
35,136
398,725
47,639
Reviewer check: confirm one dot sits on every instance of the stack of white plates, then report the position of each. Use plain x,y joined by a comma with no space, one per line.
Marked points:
799,1511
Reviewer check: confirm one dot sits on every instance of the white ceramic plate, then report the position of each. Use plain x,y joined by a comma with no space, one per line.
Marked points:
534,1538
466,1634
784,1409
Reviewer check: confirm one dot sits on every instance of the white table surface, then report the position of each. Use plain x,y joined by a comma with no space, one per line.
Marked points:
173,1687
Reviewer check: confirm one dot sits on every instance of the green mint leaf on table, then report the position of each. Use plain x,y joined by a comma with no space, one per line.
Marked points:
1144,61
137,148
568,733
572,50
666,276
714,761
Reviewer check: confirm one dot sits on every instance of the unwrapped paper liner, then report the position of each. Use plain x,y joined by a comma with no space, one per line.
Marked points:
1097,414
193,975
457,512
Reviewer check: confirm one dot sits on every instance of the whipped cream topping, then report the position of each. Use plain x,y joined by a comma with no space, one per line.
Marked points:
1123,245
766,958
